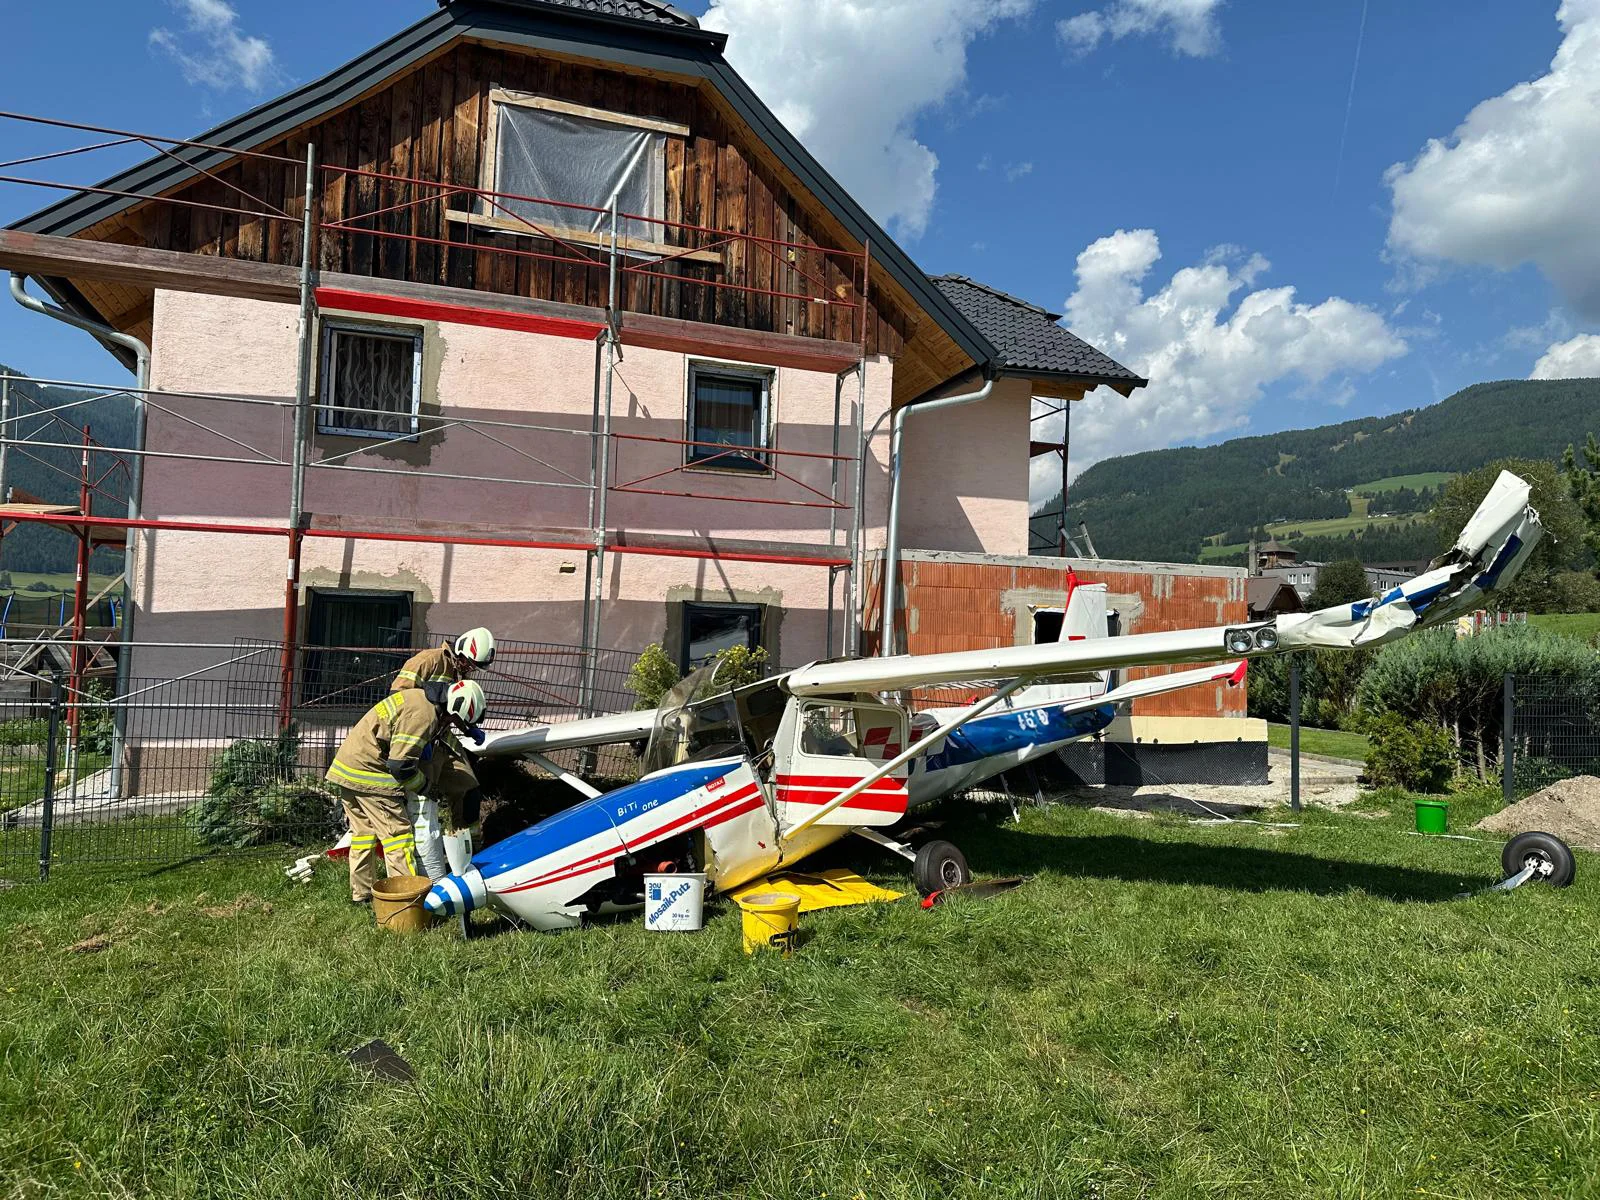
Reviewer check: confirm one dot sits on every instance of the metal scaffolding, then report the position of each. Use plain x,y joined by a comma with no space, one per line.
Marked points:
631,274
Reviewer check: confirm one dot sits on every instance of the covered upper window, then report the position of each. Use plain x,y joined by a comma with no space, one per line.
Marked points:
554,150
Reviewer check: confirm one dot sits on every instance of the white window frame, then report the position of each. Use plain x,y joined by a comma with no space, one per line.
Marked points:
768,378
327,394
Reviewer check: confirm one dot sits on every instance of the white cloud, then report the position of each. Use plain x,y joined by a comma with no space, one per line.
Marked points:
1189,25
1015,171
211,50
1575,358
1518,181
1208,343
849,78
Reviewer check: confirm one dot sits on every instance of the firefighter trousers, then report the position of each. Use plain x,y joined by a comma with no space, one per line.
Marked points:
374,819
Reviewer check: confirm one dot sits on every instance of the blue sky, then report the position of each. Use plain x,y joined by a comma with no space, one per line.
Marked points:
1202,157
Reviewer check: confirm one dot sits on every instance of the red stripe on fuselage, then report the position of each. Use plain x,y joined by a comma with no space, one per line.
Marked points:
749,794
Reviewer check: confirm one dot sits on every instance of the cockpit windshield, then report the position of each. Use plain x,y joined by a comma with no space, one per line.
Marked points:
700,718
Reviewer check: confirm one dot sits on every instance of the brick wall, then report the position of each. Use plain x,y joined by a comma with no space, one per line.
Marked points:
977,602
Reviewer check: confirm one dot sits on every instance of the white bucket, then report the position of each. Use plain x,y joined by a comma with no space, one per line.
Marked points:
675,903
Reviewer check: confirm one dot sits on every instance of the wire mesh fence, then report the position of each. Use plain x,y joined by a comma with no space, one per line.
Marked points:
205,762
1555,731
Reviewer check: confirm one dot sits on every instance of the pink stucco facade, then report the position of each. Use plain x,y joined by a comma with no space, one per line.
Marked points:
965,486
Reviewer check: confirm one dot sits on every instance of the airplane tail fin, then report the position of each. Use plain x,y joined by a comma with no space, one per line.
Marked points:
1085,615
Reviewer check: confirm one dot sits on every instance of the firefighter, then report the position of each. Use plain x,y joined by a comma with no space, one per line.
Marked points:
452,783
447,662
380,767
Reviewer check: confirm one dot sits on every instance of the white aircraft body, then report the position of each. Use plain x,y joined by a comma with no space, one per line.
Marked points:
751,780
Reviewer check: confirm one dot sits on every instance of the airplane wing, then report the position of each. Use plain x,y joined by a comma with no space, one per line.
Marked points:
1491,550
588,732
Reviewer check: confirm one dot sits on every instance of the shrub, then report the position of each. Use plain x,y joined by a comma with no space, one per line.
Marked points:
651,676
254,797
1409,754
39,585
97,726
1456,683
28,731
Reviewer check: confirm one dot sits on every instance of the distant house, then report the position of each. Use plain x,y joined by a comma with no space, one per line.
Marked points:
1268,595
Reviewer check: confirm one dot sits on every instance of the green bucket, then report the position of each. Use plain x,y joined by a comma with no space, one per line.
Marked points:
1433,816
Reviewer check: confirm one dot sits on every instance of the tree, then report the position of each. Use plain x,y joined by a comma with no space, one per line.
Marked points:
1341,582
1583,483
1564,526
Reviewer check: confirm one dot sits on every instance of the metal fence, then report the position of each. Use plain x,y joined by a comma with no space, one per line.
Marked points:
1555,732
203,762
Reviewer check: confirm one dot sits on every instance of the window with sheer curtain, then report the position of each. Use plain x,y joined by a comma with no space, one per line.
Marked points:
729,417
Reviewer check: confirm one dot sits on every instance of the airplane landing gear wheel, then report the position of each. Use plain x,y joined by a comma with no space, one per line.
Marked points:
939,866
1544,852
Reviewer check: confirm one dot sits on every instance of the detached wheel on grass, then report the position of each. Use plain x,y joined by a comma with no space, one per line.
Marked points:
939,865
1544,852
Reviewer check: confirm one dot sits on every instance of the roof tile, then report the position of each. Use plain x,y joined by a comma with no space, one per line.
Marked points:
657,12
1027,336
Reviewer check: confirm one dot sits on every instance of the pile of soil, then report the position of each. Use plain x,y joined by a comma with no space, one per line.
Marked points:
1569,809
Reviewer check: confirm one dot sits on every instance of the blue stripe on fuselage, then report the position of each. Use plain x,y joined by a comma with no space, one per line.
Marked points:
1006,732
583,821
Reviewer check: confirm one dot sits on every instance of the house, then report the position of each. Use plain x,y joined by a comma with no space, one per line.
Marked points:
597,353
1267,595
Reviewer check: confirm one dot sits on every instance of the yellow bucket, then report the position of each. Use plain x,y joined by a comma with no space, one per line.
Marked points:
770,919
397,903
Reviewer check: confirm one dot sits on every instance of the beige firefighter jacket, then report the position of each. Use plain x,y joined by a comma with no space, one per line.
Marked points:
382,754
425,666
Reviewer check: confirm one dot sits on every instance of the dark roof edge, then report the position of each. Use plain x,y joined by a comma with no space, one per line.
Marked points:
855,219
691,33
1123,384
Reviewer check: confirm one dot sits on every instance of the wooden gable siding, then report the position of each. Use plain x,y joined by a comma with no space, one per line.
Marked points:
433,124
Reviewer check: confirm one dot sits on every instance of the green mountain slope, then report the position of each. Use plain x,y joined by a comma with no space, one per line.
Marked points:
51,473
1163,503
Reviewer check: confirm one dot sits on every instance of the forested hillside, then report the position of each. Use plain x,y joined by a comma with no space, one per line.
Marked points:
51,473
1163,504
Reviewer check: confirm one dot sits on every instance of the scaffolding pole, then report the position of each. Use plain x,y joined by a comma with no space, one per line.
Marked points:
602,480
297,455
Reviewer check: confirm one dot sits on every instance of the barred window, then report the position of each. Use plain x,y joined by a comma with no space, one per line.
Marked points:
371,380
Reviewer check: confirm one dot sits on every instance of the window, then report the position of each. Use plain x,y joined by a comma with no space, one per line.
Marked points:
371,380
561,151
729,406
829,730
708,628
355,643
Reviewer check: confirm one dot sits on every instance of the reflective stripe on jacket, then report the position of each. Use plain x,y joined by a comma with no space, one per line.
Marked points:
396,730
425,666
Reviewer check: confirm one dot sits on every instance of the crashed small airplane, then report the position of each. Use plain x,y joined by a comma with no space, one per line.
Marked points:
746,781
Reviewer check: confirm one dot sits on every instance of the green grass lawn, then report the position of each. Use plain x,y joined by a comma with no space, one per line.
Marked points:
1166,1010
1584,626
1393,483
1335,743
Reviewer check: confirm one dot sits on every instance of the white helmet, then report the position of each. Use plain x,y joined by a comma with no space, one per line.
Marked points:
465,702
476,646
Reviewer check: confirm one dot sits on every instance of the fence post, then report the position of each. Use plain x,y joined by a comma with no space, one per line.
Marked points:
47,804
1294,734
1508,717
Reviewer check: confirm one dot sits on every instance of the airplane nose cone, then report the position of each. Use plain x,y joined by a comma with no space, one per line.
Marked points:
455,894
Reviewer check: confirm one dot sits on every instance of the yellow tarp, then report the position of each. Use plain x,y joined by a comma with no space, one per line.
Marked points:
837,888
